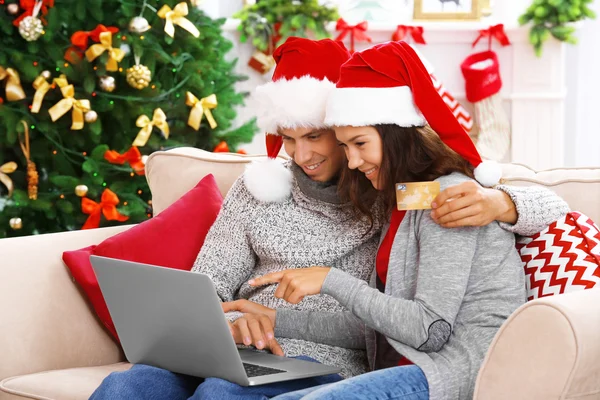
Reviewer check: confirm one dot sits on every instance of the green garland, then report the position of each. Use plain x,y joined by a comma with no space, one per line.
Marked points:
551,18
297,18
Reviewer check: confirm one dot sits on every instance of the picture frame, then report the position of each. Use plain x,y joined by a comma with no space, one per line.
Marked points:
447,10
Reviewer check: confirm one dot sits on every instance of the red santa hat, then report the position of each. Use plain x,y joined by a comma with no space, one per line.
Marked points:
306,72
388,84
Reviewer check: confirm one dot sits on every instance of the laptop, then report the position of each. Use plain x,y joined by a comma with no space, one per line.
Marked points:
173,319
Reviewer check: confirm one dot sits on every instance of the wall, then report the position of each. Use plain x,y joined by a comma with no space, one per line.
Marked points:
582,136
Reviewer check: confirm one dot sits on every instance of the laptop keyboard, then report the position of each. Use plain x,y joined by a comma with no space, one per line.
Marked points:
253,370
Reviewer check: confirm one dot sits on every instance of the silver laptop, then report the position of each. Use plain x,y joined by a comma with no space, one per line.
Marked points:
173,319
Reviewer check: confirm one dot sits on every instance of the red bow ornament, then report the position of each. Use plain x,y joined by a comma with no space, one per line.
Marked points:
132,156
107,206
223,147
495,31
357,32
415,32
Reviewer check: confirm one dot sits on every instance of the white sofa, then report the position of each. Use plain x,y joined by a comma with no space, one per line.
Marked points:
52,346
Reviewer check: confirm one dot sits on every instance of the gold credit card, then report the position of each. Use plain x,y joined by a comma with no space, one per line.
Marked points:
416,195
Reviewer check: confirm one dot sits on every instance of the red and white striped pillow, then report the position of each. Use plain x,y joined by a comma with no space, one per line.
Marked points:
565,257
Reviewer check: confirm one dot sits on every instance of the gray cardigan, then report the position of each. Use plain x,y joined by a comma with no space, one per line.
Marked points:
447,293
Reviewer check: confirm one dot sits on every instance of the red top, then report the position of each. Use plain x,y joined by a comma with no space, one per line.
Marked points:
383,259
383,254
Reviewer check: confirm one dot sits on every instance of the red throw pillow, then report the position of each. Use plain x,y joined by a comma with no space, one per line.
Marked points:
565,257
171,239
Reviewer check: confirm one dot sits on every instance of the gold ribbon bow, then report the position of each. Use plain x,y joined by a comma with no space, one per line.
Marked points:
176,16
41,87
6,169
14,90
114,55
79,107
159,120
199,108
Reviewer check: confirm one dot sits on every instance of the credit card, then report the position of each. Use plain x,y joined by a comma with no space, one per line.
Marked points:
416,195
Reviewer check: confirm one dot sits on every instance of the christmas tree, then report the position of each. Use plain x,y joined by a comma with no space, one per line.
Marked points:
87,89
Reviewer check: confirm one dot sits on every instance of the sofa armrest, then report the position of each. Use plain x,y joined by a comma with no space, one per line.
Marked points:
45,321
548,349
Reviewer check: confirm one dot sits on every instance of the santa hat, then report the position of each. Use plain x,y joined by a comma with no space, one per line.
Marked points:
388,84
306,72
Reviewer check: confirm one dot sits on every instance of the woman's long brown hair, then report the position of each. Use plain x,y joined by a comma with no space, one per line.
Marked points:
414,154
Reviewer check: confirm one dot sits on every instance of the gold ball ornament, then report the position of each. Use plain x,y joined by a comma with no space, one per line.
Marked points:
46,74
139,76
139,25
16,223
91,116
107,83
12,9
81,190
31,28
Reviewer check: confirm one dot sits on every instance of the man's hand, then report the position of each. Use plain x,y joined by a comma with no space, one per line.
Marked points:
255,327
256,330
469,204
294,284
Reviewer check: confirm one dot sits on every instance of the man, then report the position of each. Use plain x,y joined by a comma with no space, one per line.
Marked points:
279,216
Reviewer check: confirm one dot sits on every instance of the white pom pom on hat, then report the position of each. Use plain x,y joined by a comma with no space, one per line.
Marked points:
268,181
488,173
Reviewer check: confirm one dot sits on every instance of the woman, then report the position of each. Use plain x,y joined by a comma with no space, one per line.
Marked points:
438,295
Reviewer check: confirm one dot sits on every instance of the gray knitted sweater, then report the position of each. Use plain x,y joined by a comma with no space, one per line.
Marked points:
251,238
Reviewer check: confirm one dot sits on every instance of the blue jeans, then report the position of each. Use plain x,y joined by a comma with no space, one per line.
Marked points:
146,382
398,383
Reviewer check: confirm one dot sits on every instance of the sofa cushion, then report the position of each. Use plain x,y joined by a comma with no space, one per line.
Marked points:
171,173
64,384
565,257
172,239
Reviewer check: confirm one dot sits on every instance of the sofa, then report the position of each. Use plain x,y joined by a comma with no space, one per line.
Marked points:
53,347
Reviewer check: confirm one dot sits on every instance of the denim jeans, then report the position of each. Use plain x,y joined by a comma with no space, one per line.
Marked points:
398,383
146,382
